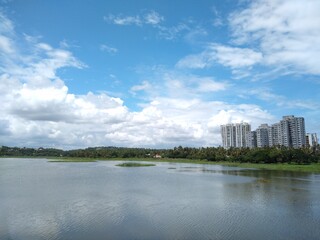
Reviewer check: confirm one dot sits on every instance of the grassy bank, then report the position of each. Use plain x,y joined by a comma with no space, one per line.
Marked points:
312,168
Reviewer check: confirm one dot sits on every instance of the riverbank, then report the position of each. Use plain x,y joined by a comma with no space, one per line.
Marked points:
312,168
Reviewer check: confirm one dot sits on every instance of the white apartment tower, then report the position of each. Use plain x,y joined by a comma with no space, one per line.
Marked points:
292,132
252,139
275,135
235,135
263,135
242,131
228,135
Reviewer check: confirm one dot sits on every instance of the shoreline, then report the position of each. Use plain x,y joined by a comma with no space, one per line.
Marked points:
311,168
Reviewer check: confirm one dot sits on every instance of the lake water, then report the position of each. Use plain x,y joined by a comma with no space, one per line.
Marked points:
98,200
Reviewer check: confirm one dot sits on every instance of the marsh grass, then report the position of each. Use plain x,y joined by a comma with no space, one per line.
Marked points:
71,160
312,168
135,164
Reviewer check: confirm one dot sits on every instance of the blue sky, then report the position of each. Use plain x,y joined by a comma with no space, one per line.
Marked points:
154,73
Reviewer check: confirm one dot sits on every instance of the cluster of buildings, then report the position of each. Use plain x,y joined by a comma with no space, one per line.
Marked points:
289,132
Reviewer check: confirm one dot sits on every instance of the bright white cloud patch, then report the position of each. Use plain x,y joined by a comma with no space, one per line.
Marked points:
236,57
232,57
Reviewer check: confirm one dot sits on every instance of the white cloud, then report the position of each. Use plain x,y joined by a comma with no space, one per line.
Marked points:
171,33
175,84
232,57
6,33
183,120
153,18
282,101
209,85
217,21
177,115
5,45
6,26
195,61
144,86
37,107
106,48
150,18
121,20
194,36
236,57
250,113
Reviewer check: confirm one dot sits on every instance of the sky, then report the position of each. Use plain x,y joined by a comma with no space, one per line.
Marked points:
154,74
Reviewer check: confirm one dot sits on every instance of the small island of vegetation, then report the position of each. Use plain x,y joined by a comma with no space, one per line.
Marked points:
135,164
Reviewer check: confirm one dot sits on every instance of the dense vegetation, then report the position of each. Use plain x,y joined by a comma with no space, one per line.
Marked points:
256,155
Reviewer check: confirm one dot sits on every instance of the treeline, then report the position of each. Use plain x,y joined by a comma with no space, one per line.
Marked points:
256,155
30,152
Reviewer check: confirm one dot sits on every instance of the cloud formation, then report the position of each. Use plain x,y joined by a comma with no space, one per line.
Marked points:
232,57
272,34
39,110
286,32
108,49
154,19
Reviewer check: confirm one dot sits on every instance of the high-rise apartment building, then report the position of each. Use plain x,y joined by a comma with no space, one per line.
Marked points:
242,131
292,131
274,135
235,135
263,135
252,139
228,134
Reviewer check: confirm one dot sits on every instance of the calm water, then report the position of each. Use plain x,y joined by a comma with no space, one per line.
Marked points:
41,200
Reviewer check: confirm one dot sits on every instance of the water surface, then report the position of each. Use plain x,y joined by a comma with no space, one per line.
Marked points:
98,200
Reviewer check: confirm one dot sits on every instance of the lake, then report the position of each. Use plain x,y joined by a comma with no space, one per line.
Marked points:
98,200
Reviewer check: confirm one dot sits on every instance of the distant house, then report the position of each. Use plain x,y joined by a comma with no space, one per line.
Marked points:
157,156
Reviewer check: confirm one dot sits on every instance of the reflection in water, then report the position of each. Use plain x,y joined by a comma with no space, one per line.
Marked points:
41,200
